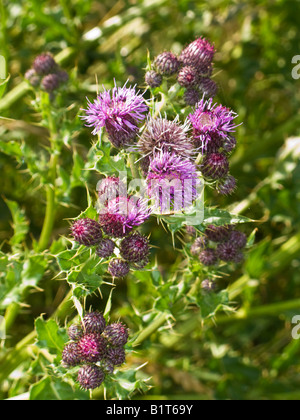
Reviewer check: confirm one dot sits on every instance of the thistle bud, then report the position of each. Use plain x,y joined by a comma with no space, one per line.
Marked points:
44,64
118,268
134,248
90,376
226,186
217,233
92,347
167,63
75,332
93,322
153,79
208,257
71,355
50,82
116,334
105,248
188,77
116,355
215,166
86,232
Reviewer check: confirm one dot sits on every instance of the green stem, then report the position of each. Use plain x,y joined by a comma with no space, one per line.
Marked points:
133,166
158,322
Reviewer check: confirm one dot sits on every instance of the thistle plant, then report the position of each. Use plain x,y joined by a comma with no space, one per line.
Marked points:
155,149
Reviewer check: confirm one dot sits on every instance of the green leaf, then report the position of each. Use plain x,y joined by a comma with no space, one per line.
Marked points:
50,388
50,335
20,223
3,86
222,217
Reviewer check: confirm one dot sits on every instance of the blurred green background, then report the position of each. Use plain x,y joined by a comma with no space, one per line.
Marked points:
250,354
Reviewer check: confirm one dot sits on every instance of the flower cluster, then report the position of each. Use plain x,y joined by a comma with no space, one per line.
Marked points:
213,126
219,243
46,74
192,68
120,111
114,235
96,348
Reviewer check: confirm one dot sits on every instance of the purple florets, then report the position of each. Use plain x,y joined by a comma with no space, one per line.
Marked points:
96,348
172,182
211,123
119,110
122,214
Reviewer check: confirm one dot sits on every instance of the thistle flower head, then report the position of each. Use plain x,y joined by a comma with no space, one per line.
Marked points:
119,110
92,347
116,334
238,239
116,355
208,257
105,248
122,214
71,355
93,322
153,79
135,247
118,268
227,251
217,233
90,376
109,188
188,76
86,232
210,122
44,64
166,63
215,166
172,182
198,54
226,186
75,332
161,134
50,82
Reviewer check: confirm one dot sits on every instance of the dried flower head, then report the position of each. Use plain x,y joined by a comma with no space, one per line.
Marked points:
161,134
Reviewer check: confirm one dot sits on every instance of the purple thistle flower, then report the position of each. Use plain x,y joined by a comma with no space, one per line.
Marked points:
106,248
93,322
208,257
116,355
166,63
92,347
210,122
227,251
191,96
110,188
116,334
199,245
208,285
198,54
119,110
134,248
86,232
208,87
50,82
172,182
217,233
153,79
122,214
90,377
71,355
118,268
238,239
215,166
44,64
188,76
226,186
161,134
75,332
